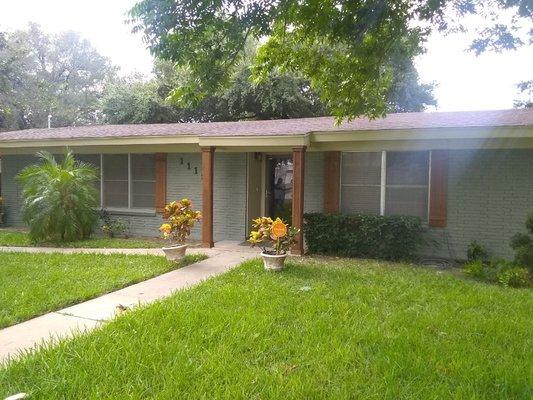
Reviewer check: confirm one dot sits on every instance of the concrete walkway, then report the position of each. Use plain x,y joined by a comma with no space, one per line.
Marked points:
90,314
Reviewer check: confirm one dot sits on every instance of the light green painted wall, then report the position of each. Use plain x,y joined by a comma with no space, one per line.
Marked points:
490,193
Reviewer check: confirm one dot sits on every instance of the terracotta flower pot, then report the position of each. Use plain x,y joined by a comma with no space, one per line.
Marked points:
273,262
176,252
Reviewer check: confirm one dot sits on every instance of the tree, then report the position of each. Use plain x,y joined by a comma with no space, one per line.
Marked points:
525,93
61,75
135,101
281,95
59,199
347,50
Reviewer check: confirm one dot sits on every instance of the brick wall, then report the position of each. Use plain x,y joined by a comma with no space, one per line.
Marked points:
490,193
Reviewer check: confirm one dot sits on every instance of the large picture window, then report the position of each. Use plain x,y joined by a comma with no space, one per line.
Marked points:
127,181
386,183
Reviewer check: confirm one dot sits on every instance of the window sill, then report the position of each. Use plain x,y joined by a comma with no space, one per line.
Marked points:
141,212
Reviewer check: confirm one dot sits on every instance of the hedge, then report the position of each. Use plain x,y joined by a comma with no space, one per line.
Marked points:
361,235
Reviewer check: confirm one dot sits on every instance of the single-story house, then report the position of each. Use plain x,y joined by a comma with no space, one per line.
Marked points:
467,175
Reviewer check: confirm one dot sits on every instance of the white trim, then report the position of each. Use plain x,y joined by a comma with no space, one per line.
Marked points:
383,183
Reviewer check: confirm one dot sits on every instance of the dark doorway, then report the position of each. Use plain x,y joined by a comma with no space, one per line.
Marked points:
279,187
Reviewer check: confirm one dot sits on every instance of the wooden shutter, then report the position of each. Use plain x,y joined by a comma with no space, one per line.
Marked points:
160,182
438,196
332,177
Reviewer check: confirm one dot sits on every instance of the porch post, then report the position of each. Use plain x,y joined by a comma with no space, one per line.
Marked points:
298,162
208,158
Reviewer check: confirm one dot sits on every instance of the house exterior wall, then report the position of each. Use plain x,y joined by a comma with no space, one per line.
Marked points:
229,193
11,189
490,193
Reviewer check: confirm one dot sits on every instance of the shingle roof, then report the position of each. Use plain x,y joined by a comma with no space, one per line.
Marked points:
298,126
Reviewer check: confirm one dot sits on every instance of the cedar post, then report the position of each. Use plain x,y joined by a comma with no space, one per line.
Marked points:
298,161
332,177
208,158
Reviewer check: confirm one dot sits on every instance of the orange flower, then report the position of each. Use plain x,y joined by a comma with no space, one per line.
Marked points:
278,229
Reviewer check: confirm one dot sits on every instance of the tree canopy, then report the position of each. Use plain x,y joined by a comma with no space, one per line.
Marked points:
349,51
40,74
281,95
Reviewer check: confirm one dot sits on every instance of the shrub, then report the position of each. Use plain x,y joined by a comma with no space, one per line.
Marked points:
475,269
360,235
522,244
59,199
112,227
514,277
476,251
503,272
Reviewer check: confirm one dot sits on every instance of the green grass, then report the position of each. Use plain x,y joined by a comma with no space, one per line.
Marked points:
21,239
342,329
33,284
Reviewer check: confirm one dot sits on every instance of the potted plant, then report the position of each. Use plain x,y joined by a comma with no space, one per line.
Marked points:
180,219
279,235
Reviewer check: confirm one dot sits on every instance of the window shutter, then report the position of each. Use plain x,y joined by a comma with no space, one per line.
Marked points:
160,182
332,181
438,195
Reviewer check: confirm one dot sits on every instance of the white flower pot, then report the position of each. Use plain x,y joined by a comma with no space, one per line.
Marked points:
175,253
273,262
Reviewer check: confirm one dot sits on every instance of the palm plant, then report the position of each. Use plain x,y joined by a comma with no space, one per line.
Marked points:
59,198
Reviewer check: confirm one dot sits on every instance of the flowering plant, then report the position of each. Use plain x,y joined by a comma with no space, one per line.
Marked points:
278,233
180,218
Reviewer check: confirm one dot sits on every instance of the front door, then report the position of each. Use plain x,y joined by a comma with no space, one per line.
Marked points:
278,201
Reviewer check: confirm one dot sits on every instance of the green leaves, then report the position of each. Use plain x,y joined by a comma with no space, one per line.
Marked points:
59,200
348,50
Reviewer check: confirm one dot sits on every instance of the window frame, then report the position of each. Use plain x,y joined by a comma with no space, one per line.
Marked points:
383,179
129,209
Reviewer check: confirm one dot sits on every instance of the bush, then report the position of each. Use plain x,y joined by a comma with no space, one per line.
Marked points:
522,244
59,200
476,251
514,277
112,227
503,272
361,235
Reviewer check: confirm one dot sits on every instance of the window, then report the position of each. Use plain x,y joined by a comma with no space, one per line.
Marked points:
361,182
93,160
385,183
127,181
115,178
143,180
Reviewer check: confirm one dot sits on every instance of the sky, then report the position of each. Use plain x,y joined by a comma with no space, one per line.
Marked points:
464,81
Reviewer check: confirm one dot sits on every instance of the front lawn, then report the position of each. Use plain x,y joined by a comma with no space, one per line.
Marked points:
337,329
34,284
21,239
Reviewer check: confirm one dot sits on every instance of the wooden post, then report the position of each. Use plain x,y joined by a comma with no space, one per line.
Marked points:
332,180
438,187
298,162
160,182
208,158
